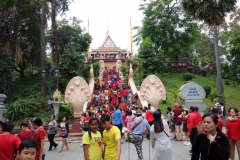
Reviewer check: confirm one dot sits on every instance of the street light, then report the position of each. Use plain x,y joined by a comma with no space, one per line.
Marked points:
238,76
56,73
43,73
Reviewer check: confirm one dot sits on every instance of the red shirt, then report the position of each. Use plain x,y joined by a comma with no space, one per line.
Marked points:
233,128
184,120
114,99
199,117
8,146
177,111
25,135
149,116
192,122
123,106
125,93
86,119
119,94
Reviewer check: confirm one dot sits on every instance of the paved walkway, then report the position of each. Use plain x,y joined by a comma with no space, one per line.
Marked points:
76,151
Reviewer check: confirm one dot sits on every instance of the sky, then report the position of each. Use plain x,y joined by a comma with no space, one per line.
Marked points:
112,14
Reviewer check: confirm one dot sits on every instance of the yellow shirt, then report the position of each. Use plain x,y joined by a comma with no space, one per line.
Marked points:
95,145
109,139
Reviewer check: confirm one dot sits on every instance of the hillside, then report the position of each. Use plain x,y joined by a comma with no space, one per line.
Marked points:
175,81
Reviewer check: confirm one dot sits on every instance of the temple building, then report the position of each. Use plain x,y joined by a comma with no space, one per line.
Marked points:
109,52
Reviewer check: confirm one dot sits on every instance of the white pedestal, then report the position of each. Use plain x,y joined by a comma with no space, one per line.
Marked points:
56,109
2,107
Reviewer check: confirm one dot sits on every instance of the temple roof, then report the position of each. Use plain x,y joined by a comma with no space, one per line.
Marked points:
108,42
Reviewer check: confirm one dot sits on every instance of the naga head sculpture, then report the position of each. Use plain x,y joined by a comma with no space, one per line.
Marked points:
152,90
77,93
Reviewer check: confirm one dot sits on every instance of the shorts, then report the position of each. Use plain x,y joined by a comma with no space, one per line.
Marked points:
185,129
178,123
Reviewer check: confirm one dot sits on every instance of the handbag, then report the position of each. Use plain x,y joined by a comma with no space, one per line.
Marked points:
60,134
130,136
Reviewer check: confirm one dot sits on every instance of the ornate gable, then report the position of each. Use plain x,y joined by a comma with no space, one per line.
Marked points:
108,42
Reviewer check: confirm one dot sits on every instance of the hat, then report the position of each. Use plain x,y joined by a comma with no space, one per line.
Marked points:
138,112
217,104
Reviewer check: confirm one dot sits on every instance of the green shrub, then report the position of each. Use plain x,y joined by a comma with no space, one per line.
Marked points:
190,69
207,90
187,76
65,110
204,72
227,83
25,107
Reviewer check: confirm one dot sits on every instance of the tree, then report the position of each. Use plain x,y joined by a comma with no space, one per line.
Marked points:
167,32
211,12
74,43
6,72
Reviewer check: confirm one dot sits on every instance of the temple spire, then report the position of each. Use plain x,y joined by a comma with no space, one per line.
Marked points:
89,53
131,38
107,33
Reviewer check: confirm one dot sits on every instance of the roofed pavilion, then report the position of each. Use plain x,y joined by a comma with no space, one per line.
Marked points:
109,52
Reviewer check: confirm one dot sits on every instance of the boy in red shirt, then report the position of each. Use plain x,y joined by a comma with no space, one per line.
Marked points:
37,125
8,143
26,133
125,94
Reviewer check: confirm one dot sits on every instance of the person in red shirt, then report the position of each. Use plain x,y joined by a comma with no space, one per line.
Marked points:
114,99
199,120
37,125
176,112
8,143
119,95
123,106
26,133
233,132
125,94
149,116
192,124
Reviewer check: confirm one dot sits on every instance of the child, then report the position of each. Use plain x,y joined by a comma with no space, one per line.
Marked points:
111,139
27,150
92,141
8,142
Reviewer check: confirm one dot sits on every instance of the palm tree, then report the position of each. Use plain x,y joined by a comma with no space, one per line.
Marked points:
211,12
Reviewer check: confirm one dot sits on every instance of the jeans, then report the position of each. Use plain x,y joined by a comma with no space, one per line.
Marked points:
51,140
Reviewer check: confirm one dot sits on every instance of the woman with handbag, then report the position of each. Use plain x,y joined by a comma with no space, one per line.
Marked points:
52,130
64,133
161,144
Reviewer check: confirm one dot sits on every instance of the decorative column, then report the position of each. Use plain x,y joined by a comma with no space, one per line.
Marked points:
2,107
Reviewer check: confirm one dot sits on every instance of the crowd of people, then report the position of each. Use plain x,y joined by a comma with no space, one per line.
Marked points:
29,143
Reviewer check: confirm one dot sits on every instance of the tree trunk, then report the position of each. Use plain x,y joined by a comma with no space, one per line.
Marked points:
42,48
55,43
220,88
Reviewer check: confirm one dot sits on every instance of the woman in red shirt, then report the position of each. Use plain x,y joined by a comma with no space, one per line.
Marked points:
232,131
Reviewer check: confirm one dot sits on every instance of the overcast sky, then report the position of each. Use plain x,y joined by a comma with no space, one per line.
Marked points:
115,14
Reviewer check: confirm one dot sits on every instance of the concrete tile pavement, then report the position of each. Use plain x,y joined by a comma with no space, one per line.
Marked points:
76,151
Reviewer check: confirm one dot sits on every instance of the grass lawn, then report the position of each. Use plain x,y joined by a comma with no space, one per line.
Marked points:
175,81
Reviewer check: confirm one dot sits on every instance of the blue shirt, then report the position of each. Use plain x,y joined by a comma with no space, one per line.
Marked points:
117,117
139,130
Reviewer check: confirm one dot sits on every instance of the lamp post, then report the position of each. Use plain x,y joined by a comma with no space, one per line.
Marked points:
44,74
238,76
